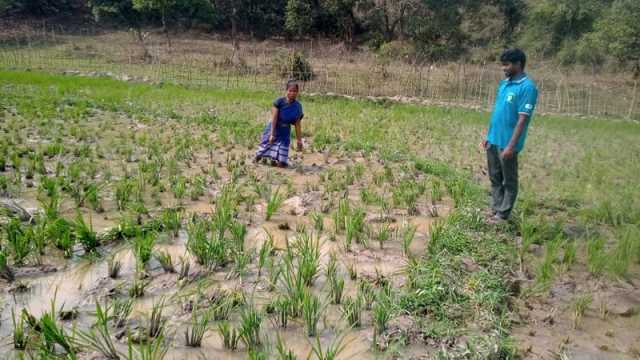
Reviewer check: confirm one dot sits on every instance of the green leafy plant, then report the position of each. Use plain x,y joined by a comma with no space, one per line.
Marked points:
164,258
311,312
250,322
85,235
195,333
98,337
274,203
230,336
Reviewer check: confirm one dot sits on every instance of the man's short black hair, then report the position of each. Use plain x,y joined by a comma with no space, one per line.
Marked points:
513,56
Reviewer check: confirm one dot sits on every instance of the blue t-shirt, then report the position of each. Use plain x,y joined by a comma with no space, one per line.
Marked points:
515,96
288,113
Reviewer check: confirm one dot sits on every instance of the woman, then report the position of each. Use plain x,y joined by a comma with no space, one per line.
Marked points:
276,136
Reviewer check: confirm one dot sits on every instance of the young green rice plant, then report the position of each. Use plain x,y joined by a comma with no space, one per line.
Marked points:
308,257
199,324
569,256
596,256
336,283
438,230
230,335
84,234
274,271
239,233
311,312
341,214
408,234
164,258
265,251
150,349
250,322
40,237
18,240
331,352
580,306
352,270
436,191
197,188
282,352
318,221
54,333
5,271
60,230
172,220
384,234
121,309
354,227
240,263
179,188
546,270
528,231
138,287
381,316
143,247
623,252
92,197
294,286
156,322
198,243
222,309
352,311
185,265
124,190
113,267
282,307
20,336
98,337
367,293
274,203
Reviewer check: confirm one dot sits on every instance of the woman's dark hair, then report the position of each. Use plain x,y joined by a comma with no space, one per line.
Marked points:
291,83
513,56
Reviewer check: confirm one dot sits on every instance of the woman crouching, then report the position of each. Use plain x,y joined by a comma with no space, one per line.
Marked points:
276,137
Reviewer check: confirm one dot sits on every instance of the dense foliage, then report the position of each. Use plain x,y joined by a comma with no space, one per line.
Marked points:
589,32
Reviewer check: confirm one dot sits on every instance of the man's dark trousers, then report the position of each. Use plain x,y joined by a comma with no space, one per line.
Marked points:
503,174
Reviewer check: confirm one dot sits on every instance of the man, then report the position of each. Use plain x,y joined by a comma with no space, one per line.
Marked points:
515,102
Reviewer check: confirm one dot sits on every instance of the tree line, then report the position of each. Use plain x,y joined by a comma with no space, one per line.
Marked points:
588,32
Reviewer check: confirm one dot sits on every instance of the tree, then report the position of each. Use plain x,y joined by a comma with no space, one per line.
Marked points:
343,13
162,6
388,17
298,19
121,11
619,31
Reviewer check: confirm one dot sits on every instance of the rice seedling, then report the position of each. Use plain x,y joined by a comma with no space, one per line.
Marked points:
138,287
622,254
61,232
150,349
311,312
124,189
265,251
331,352
318,221
198,243
93,198
179,188
84,234
308,257
54,333
143,247
199,324
222,310
569,256
5,271
19,240
282,352
250,322
546,270
367,293
185,265
121,309
596,256
282,307
197,188
354,227
580,306
408,234
239,233
113,267
156,322
274,270
172,220
98,337
381,316
230,335
164,258
274,203
436,190
384,234
240,263
341,214
352,310
352,270
20,336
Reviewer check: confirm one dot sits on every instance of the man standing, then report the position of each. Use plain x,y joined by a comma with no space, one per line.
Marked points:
515,101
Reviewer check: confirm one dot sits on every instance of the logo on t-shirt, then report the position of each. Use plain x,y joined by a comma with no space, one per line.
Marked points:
528,106
510,97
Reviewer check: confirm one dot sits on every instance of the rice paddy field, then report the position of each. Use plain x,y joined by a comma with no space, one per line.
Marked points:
136,226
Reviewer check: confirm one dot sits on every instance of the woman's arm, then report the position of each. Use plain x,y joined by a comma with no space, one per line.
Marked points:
298,125
274,123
